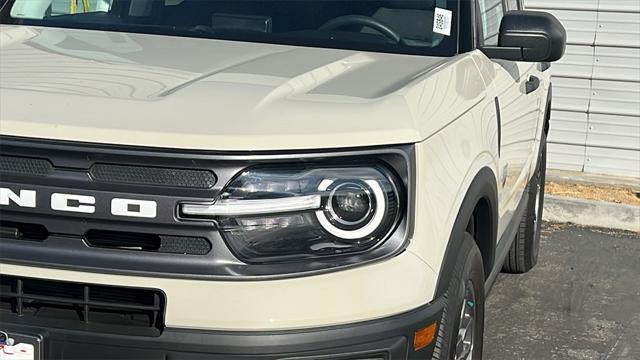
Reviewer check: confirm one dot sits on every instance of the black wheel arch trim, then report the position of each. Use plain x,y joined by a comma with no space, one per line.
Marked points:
484,186
547,110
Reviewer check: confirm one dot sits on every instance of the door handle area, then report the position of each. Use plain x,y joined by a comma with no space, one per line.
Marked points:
532,84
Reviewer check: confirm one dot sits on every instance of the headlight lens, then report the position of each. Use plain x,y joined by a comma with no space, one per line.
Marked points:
292,213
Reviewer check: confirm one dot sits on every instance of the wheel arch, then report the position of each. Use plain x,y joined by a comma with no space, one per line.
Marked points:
480,202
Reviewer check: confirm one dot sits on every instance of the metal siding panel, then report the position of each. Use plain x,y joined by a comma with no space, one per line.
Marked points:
619,5
612,161
580,25
565,157
571,94
615,97
595,122
563,5
618,29
614,131
568,127
577,62
616,63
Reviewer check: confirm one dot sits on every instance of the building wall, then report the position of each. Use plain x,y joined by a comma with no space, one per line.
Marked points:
595,120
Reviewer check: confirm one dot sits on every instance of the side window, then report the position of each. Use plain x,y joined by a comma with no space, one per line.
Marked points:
491,13
513,5
65,7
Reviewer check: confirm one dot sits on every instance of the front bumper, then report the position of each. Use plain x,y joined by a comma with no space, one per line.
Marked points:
389,338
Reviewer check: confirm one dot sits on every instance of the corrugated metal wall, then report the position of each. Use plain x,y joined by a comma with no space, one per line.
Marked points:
595,120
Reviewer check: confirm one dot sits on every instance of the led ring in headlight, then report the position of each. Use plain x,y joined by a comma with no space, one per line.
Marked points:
366,228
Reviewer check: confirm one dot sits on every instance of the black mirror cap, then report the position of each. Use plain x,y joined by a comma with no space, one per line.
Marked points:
533,36
540,35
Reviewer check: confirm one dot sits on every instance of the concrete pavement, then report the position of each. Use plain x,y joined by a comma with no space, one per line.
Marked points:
591,213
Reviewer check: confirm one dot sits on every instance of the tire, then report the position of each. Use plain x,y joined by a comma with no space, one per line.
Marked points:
468,274
523,254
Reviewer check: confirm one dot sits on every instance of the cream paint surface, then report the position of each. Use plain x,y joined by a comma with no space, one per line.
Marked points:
364,293
522,126
81,85
446,165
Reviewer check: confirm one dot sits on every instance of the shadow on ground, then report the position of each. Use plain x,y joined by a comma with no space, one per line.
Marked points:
582,300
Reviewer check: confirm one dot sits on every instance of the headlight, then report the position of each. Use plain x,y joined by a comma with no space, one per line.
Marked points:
273,214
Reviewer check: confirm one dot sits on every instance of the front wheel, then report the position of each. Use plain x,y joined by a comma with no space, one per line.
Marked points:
523,254
462,325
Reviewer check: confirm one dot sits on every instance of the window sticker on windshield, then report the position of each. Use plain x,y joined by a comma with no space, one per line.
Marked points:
442,21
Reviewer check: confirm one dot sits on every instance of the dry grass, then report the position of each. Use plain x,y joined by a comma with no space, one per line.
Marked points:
612,194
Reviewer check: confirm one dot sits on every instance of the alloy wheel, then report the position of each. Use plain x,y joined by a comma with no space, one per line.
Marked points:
466,327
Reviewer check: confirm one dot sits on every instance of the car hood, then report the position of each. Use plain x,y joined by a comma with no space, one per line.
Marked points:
175,92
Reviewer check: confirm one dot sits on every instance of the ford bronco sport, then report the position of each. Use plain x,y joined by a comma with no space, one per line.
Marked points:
260,179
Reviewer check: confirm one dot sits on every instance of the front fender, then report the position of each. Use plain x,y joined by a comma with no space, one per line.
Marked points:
447,165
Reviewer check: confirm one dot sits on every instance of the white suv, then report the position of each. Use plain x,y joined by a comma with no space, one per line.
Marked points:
266,179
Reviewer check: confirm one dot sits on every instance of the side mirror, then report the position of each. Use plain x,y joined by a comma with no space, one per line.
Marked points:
531,36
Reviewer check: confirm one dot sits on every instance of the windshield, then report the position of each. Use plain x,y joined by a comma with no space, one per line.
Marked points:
424,27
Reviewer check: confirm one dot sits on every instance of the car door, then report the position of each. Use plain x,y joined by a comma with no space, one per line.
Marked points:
516,87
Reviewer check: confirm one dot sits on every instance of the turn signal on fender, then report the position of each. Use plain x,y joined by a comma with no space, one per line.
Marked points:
424,336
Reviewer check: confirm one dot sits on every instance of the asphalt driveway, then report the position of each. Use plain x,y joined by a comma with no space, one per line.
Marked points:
582,300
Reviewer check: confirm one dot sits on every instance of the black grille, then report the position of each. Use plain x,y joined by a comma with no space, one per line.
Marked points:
23,231
164,245
183,178
81,306
26,166
188,245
